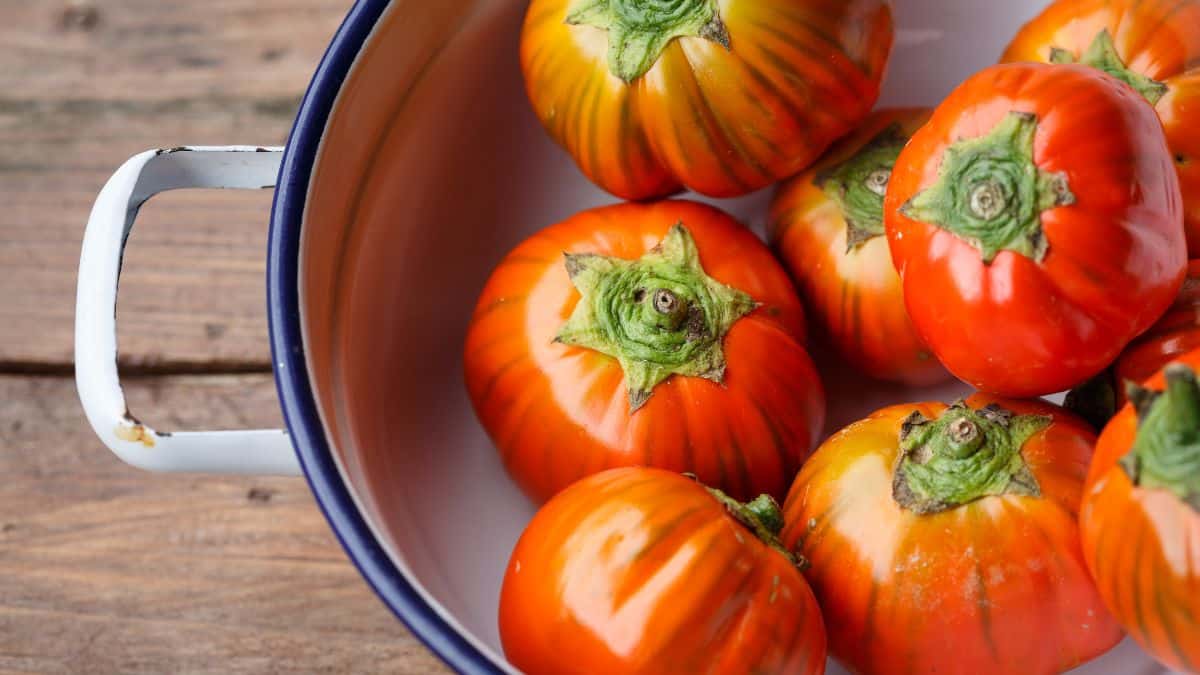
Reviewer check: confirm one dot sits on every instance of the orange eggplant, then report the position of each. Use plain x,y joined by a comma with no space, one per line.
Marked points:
667,336
720,96
641,570
1037,226
1140,517
826,225
943,539
1154,46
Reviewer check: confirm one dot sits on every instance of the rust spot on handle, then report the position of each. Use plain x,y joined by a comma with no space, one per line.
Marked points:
134,432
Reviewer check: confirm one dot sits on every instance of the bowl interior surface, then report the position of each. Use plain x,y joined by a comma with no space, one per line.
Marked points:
431,168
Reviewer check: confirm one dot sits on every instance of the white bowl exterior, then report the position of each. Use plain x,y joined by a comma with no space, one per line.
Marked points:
459,172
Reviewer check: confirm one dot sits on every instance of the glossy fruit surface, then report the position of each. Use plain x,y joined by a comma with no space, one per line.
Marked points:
1140,517
1175,334
644,571
723,97
943,539
827,226
1036,225
1154,45
666,336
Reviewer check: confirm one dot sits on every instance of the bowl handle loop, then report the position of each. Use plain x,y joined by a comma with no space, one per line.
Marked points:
261,451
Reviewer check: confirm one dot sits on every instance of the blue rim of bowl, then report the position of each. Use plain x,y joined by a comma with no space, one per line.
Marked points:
291,371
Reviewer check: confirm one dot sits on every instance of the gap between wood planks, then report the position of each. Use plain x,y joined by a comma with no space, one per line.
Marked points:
86,85
104,568
164,368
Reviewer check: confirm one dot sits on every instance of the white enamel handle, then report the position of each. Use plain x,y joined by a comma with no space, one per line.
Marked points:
260,451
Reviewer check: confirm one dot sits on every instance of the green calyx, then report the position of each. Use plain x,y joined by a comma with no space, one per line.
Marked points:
858,185
1166,452
639,30
990,193
763,517
1102,55
963,455
658,316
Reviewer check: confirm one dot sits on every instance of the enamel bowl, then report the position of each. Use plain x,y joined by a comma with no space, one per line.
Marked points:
415,163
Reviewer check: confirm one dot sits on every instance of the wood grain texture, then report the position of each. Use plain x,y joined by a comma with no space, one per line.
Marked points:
86,84
107,569
104,568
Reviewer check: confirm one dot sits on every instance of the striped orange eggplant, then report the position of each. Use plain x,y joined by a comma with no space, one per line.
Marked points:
826,225
643,571
943,539
667,336
720,96
1140,517
1153,45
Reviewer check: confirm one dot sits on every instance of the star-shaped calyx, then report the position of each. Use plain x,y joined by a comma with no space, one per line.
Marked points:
963,455
658,316
639,30
1102,55
858,185
991,194
1166,451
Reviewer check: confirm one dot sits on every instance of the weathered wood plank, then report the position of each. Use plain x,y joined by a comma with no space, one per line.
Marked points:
105,569
87,84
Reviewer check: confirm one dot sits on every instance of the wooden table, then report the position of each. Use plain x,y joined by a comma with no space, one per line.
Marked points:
104,568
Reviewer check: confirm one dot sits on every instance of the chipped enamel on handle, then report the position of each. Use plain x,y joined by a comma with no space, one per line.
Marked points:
260,451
